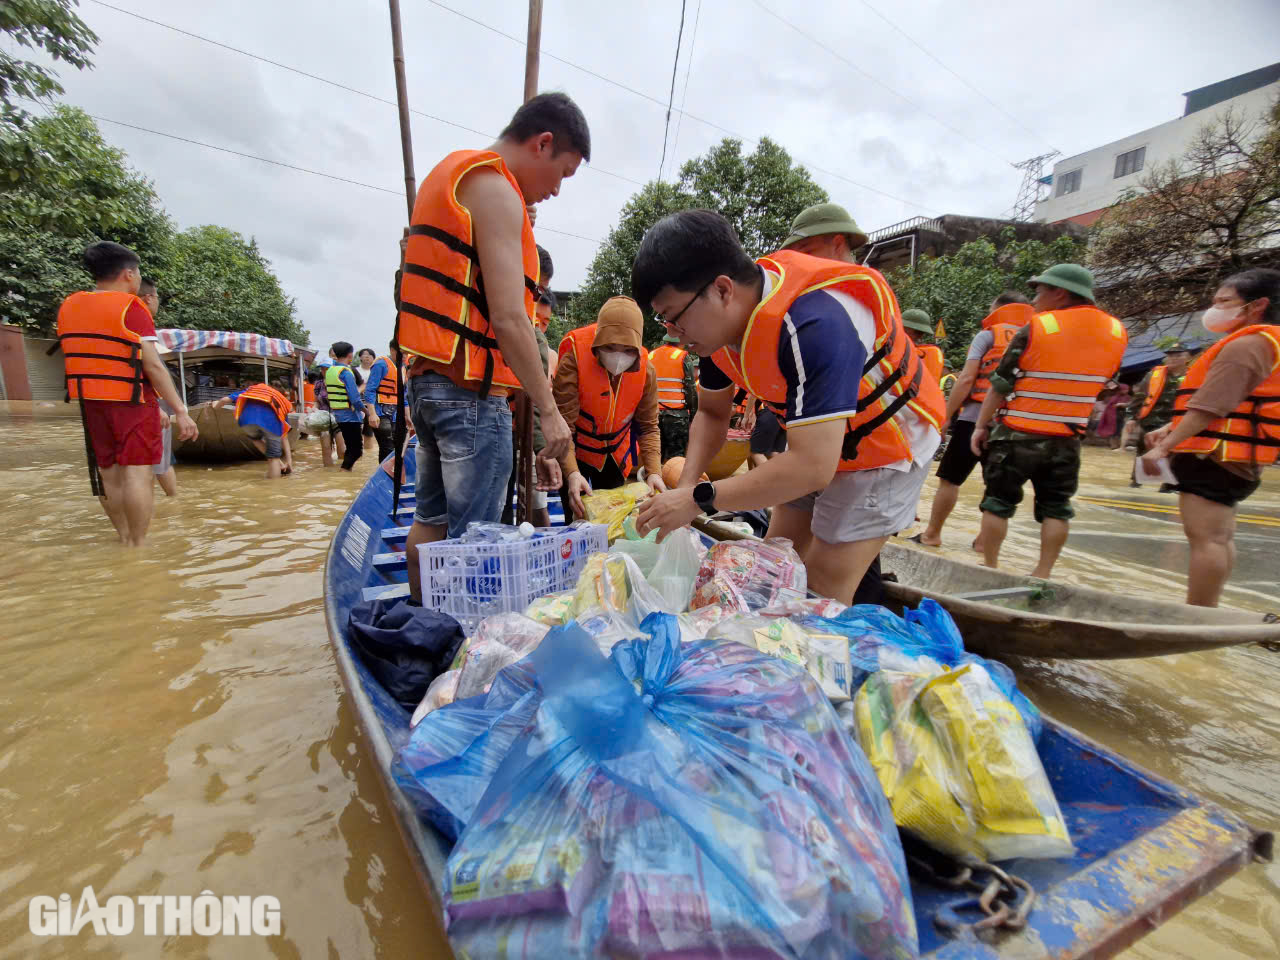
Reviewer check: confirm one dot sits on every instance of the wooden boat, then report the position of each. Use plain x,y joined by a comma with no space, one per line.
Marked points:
1002,614
1145,848
731,456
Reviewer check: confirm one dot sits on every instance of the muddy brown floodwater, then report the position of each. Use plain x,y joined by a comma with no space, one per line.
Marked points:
171,721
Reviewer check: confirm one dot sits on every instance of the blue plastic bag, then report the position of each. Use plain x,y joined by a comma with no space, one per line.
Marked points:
697,800
927,631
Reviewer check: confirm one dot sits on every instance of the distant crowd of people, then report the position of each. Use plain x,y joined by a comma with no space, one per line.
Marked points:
805,348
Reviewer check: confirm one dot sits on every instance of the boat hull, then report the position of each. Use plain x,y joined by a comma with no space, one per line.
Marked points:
220,440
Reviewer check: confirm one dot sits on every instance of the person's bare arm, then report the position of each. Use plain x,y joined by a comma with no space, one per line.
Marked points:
707,432
158,375
646,426
564,390
497,216
963,386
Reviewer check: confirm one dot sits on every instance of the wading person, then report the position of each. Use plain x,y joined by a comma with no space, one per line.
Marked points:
918,327
263,412
677,377
379,394
1008,314
166,476
1226,425
108,341
1040,397
470,341
858,445
346,404
1152,405
606,387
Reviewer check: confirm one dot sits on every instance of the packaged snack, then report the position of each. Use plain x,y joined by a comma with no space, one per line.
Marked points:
552,610
749,575
612,507
443,690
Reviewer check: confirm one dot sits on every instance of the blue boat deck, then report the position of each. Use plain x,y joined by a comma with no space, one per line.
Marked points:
1144,847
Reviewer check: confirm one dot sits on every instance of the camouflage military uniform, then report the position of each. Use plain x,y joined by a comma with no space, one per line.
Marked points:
673,425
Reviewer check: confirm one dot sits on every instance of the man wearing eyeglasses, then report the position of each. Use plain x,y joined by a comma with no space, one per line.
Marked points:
822,340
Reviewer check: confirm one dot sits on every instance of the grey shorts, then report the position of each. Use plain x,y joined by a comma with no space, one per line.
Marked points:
275,447
864,504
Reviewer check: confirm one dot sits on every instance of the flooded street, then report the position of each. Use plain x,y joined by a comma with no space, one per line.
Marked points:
172,721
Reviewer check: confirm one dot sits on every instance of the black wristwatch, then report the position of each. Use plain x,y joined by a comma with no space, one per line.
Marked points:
704,495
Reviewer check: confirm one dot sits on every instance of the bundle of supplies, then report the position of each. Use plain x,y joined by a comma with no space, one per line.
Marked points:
748,575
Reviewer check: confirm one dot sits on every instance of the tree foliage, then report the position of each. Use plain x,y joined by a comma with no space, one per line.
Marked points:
77,189
958,288
1163,248
48,25
759,193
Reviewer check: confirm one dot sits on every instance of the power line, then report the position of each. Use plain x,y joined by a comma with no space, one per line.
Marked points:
930,55
671,98
876,80
326,80
688,71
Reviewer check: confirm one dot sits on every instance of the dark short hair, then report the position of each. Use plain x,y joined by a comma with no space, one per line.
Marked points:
1256,284
105,260
370,351
342,349
687,250
545,267
147,285
556,114
1010,296
548,298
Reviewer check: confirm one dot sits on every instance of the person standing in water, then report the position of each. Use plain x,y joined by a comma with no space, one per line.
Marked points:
166,476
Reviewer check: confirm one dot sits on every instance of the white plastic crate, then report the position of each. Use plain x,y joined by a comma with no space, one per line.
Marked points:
471,581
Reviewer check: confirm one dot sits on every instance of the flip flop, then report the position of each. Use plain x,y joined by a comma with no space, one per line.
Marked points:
917,539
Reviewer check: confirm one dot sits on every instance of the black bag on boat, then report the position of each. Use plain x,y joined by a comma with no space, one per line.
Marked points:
405,647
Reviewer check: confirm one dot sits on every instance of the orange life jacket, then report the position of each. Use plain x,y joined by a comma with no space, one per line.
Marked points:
668,365
931,357
309,394
1251,432
570,340
271,397
1155,387
894,383
442,299
1003,322
603,428
386,392
1070,356
102,357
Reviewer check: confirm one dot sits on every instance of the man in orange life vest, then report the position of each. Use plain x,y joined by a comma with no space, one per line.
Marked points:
1041,394
677,375
1226,425
1007,314
1152,404
379,394
469,340
790,328
262,412
606,387
918,326
108,341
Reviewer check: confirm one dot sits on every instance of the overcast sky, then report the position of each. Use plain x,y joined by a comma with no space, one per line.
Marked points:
878,111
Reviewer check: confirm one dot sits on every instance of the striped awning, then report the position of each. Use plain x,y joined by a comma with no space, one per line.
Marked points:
186,341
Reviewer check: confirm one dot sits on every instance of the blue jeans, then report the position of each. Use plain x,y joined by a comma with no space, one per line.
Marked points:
464,453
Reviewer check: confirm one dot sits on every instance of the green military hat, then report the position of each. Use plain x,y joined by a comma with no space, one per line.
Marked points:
1070,277
917,320
824,218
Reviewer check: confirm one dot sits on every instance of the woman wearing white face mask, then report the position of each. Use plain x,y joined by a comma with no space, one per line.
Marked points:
607,391
1226,425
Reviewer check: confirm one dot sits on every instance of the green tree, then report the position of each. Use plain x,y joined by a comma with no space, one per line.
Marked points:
77,189
217,280
759,193
1163,248
958,288
48,25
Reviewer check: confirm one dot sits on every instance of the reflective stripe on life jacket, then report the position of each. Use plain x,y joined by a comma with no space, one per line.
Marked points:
1003,323
668,366
386,392
894,384
570,340
442,299
931,357
1251,432
1070,356
604,425
335,389
1155,387
102,357
271,397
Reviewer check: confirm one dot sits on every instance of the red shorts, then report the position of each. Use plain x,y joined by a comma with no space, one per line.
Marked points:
124,434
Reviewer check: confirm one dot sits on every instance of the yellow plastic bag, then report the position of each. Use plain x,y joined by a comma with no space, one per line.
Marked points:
958,765
593,590
612,507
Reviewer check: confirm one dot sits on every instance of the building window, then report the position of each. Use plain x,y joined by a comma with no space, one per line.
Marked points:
1131,162
1069,182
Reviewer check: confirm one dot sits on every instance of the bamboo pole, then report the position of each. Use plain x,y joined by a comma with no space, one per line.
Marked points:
402,100
524,407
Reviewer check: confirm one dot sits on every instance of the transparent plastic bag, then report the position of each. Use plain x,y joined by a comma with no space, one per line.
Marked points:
748,575
958,764
695,800
643,552
499,641
612,507
612,581
676,570
824,655
442,692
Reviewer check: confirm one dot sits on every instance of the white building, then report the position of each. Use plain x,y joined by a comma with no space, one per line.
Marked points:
1083,186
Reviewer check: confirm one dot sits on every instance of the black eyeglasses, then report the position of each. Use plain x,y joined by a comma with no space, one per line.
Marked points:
676,319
